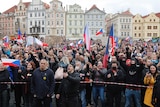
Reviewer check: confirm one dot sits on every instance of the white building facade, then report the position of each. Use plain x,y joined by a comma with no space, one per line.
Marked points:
122,23
95,19
75,22
55,19
36,18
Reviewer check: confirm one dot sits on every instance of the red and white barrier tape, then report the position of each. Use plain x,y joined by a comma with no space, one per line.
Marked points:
96,82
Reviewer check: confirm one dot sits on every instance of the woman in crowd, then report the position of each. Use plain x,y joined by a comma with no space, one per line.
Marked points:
149,80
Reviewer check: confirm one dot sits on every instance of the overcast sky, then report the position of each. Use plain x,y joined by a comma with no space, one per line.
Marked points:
143,7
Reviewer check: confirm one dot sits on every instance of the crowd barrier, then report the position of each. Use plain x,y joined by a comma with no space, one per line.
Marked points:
96,82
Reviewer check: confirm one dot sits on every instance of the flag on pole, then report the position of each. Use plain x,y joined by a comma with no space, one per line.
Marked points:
99,32
106,55
19,34
111,36
86,37
6,41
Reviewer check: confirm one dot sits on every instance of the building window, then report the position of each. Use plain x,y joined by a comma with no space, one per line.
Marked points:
61,15
70,22
149,34
123,20
42,14
30,23
96,23
100,23
42,22
135,35
120,20
96,16
39,23
92,23
30,30
124,33
121,33
39,14
80,16
48,22
75,22
35,14
139,35
128,34
92,32
57,22
154,27
154,34
57,32
70,16
121,26
48,15
70,31
139,28
150,20
20,7
35,23
100,16
125,26
128,26
61,22
81,31
126,20
30,14
75,16
149,27
154,20
81,22
135,20
48,31
75,30
61,32
57,15
42,29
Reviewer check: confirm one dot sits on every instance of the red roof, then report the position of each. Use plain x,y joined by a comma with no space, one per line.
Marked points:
94,7
11,10
158,15
46,5
26,4
127,12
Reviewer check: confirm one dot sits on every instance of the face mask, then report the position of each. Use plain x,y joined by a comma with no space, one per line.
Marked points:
155,61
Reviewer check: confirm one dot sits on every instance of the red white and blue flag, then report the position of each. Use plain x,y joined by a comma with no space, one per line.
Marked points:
106,55
6,41
86,37
99,32
111,36
19,34
11,62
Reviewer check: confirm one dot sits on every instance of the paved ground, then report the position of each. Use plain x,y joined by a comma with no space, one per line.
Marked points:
12,102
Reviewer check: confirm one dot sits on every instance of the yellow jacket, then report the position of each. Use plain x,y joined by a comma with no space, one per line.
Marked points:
148,94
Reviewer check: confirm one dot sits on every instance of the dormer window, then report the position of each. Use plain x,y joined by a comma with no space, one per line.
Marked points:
20,7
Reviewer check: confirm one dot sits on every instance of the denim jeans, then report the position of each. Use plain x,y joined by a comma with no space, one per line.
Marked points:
4,98
83,97
136,95
98,90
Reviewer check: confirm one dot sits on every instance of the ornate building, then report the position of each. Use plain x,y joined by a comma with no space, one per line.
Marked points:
75,22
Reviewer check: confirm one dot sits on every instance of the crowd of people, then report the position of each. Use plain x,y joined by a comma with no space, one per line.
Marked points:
131,73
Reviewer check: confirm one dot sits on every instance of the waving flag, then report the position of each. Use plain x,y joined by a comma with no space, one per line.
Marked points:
19,34
111,36
6,41
86,37
99,32
106,55
11,62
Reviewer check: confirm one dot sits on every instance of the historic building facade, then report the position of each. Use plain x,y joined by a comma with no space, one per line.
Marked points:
55,19
95,19
75,22
36,18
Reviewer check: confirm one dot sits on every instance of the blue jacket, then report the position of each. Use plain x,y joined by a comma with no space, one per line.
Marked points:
42,83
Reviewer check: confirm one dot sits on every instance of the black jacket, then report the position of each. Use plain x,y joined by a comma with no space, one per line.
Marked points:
4,77
118,79
69,86
42,83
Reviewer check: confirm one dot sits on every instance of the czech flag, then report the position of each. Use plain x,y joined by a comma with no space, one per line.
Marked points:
6,41
86,37
99,32
106,55
11,62
111,36
19,34
38,42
